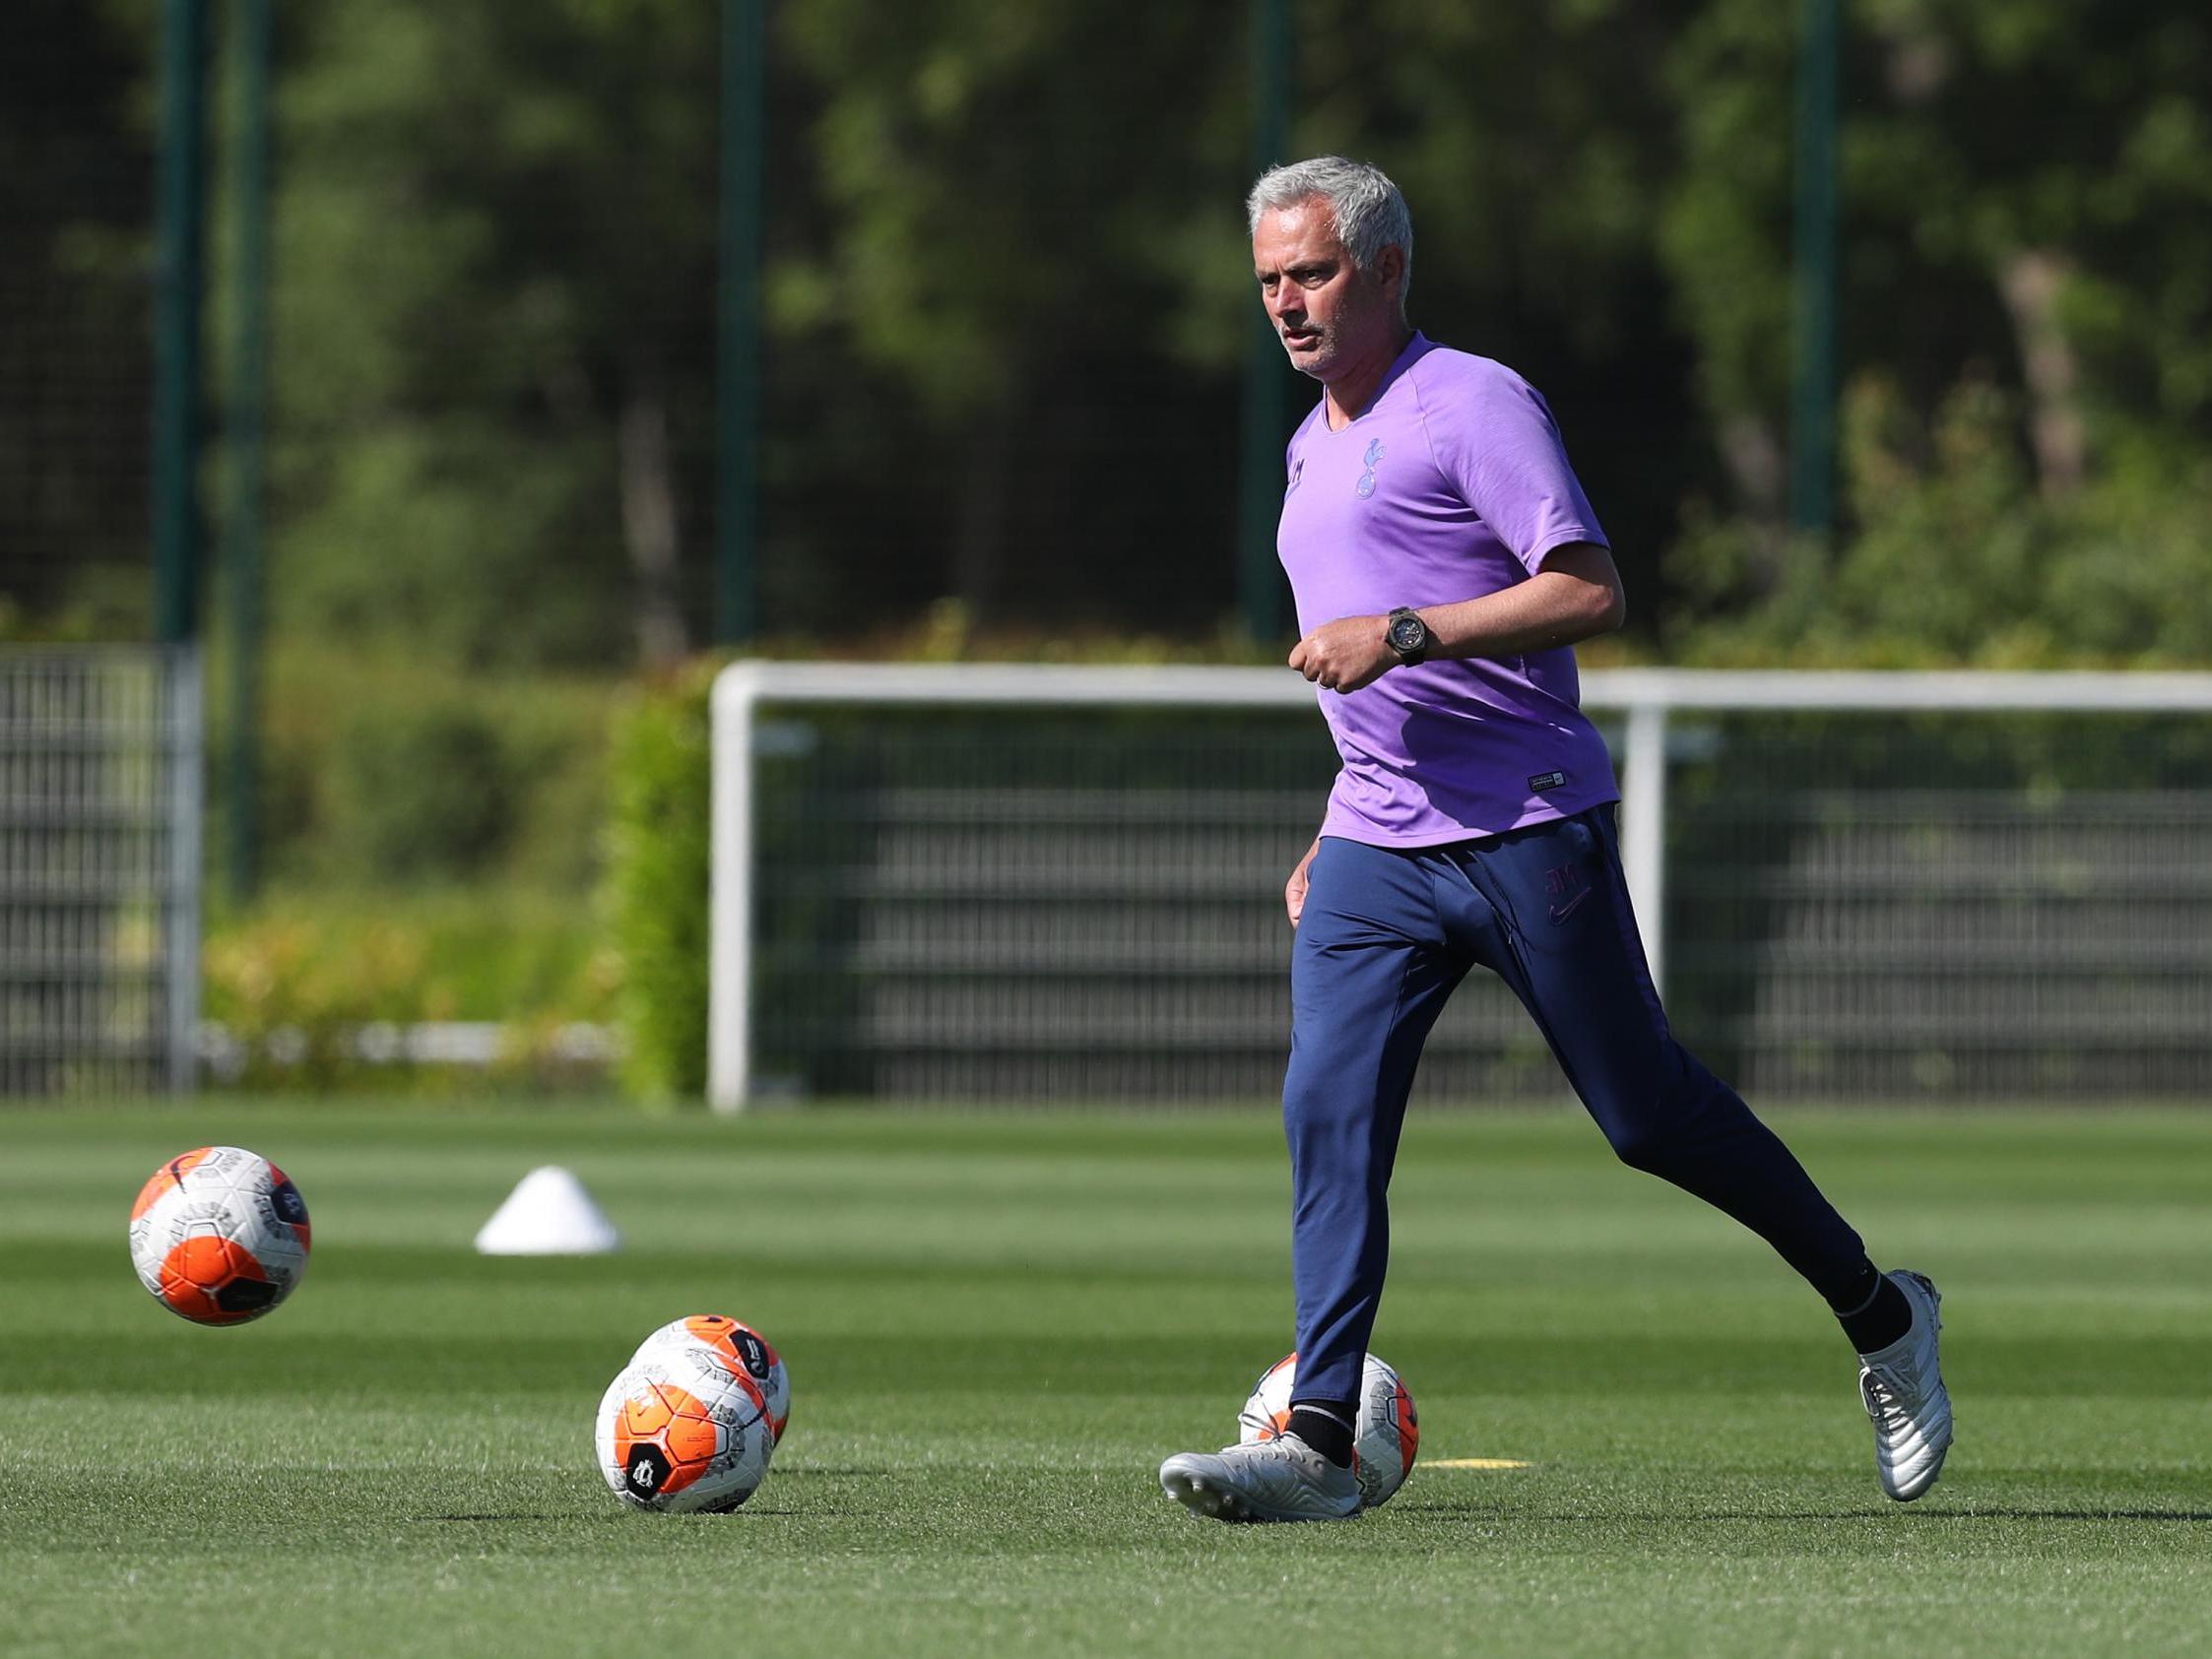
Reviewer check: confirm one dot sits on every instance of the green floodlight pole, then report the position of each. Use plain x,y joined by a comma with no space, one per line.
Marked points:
1260,581
737,516
181,216
1813,375
245,403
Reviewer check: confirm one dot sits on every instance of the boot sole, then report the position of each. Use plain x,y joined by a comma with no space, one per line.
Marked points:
1220,1503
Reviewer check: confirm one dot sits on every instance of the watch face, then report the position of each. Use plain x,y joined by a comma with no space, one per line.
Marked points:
1407,632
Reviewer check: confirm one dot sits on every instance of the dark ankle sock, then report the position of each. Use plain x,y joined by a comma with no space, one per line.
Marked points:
1858,1293
1325,1425
1879,1319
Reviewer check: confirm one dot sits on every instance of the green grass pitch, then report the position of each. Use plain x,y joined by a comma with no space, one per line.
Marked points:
997,1326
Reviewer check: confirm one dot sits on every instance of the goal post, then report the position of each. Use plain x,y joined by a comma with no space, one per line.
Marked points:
970,882
742,688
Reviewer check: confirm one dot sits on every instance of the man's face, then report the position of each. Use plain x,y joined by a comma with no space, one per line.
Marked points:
1327,313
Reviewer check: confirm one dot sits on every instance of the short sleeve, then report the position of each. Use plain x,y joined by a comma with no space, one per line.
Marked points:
1493,438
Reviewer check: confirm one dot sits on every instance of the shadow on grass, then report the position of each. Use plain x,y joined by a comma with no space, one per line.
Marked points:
2000,1514
1493,1513
511,1516
619,1517
793,1514
800,1473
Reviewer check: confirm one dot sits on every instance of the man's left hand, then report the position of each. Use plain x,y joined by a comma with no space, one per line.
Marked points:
1346,654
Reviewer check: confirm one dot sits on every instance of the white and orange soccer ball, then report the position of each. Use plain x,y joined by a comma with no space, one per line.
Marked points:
740,1347
218,1236
681,1433
1385,1442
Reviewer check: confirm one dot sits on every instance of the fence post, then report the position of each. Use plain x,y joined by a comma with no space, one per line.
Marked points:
185,741
742,187
178,260
1267,377
1812,330
240,557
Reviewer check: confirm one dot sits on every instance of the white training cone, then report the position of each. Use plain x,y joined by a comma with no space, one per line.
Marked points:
548,1213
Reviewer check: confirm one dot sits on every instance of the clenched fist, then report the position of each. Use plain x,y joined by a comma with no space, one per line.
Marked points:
1346,654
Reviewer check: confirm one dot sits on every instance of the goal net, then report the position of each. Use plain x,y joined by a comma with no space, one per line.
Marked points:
1065,884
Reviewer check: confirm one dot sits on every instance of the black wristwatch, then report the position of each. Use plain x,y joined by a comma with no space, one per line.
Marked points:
1408,635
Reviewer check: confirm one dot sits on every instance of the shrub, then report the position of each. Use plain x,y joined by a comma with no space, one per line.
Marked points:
657,860
302,985
423,791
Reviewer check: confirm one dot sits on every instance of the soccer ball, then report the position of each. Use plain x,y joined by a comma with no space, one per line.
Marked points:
1384,1445
218,1236
681,1432
740,1347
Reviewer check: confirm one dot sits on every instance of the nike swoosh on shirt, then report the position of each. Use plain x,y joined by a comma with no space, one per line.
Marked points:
1560,913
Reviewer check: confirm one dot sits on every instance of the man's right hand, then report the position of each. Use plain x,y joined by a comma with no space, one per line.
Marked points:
1294,890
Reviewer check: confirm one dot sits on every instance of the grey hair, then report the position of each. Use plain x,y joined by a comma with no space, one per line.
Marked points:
1369,212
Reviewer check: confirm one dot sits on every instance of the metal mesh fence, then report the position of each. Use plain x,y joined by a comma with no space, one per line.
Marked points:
494,434
76,361
1991,906
98,869
973,905
968,904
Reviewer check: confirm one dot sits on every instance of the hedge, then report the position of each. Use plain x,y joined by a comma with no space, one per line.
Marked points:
656,894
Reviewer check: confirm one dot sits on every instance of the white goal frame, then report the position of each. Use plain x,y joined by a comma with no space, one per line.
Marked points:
1647,697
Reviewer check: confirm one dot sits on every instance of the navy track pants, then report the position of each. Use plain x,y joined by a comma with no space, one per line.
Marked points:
1384,938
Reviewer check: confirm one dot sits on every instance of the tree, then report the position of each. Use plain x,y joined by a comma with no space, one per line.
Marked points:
2014,170
1006,236
495,281
75,369
1534,145
2027,300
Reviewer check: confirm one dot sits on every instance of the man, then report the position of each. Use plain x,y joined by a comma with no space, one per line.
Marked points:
1444,563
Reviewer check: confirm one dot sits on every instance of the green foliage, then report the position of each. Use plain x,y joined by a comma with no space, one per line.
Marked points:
955,258
1724,226
75,359
1960,558
496,266
424,792
427,833
485,259
656,885
1533,193
384,770
295,981
2024,186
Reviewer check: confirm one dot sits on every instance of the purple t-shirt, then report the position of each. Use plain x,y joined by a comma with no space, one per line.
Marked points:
1451,485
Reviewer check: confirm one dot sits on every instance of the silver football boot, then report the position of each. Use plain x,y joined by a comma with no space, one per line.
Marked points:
1902,1388
1282,1478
